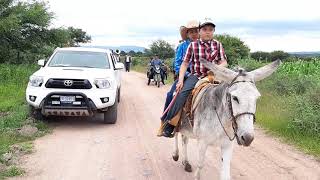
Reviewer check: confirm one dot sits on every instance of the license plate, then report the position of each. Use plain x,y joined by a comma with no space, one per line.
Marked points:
67,98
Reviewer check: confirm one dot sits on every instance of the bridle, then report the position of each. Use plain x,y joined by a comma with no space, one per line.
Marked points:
233,116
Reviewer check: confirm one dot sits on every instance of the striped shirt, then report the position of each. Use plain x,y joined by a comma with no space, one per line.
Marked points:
211,51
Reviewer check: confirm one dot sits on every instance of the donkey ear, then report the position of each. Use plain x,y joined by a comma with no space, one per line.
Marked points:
220,72
265,71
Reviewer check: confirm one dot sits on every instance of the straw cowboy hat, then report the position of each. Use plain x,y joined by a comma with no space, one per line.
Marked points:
183,32
190,25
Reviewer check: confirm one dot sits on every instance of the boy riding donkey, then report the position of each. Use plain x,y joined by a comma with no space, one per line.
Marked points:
191,34
206,48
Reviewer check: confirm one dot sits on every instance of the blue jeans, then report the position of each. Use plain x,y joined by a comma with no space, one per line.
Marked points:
170,96
170,93
188,86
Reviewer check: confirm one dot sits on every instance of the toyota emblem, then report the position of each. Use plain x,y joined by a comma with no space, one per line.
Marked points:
68,82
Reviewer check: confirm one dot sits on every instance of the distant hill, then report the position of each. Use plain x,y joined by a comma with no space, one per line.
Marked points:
141,49
305,54
121,48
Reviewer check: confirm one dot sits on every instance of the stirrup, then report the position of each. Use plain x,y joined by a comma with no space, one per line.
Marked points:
171,135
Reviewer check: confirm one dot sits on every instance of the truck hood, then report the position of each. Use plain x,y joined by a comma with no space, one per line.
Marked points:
73,73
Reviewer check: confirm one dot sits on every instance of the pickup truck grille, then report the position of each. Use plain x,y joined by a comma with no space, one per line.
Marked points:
55,100
69,84
68,104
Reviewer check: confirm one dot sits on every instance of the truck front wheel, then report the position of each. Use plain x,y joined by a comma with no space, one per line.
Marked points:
110,116
36,113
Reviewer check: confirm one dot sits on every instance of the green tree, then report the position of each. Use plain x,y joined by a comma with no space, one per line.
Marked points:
140,54
147,52
23,25
25,33
279,55
77,36
123,53
162,48
132,53
234,48
260,55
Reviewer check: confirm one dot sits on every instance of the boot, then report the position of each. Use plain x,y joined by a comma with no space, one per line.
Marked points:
168,130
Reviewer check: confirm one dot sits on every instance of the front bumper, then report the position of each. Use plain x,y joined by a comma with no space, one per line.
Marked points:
91,100
85,106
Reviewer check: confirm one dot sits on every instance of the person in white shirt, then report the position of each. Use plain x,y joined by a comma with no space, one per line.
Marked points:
128,62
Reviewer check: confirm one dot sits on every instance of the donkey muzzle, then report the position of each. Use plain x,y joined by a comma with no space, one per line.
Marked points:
247,139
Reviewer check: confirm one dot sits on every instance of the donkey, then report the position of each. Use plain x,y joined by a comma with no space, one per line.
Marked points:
223,113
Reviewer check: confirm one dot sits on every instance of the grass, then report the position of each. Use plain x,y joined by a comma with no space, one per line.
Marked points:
14,110
27,147
8,139
286,100
11,172
273,114
139,68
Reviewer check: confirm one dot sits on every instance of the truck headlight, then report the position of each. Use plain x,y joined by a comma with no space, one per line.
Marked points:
36,81
103,83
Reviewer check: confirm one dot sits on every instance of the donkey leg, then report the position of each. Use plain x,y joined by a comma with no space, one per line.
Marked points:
201,156
175,155
226,151
185,162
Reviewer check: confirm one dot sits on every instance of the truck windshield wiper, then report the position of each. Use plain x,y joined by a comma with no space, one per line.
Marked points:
85,66
60,65
68,65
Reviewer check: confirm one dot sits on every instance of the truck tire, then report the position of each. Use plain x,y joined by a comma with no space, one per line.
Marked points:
119,94
110,116
157,79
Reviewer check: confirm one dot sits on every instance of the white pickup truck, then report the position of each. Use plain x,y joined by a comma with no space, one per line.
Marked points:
76,82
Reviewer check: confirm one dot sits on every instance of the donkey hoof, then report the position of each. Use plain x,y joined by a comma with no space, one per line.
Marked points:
187,167
175,157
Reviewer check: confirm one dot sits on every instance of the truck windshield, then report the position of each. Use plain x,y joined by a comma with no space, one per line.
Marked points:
80,59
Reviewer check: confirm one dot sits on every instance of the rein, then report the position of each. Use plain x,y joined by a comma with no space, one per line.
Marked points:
234,117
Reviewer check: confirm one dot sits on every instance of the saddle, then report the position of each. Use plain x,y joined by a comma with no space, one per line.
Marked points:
191,103
193,100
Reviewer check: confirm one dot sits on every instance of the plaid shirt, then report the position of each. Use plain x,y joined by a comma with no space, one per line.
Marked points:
211,51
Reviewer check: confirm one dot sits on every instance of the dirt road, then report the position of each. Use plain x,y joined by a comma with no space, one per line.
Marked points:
86,149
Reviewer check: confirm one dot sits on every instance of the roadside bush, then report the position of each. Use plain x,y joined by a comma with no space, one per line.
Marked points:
306,114
249,64
297,83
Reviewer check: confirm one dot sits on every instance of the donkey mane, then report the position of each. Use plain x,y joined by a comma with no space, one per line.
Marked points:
213,97
241,71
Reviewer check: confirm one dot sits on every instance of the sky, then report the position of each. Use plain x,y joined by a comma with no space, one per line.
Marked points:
264,25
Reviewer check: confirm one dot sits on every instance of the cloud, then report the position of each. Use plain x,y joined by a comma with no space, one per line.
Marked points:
263,25
288,43
276,35
272,27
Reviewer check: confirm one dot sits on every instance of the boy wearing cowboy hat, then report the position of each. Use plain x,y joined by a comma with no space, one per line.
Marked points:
184,36
191,31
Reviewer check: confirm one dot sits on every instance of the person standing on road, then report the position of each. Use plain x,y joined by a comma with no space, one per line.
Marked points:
117,55
128,62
